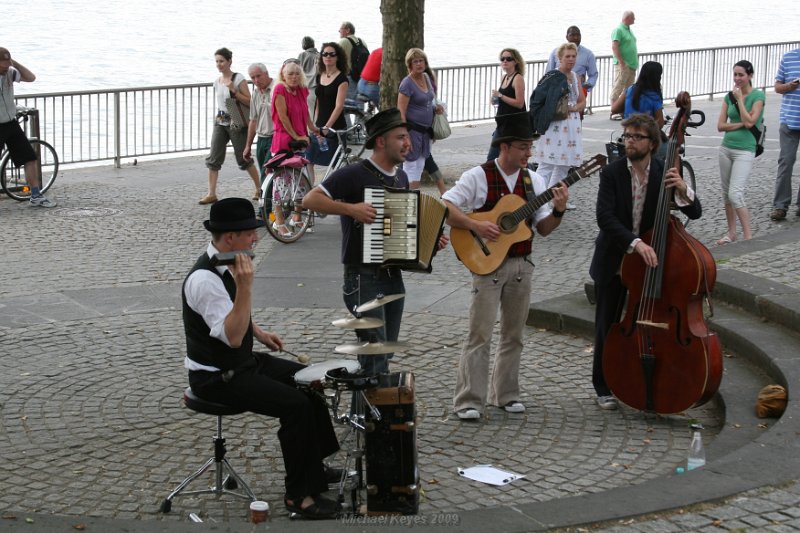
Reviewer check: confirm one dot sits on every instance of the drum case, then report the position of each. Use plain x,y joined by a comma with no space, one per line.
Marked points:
391,447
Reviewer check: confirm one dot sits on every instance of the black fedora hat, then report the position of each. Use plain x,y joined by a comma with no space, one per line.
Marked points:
380,123
513,127
232,214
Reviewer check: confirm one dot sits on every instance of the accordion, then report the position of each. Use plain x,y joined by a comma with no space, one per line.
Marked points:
406,230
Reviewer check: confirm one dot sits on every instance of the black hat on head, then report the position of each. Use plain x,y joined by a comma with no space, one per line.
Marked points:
380,123
513,127
232,214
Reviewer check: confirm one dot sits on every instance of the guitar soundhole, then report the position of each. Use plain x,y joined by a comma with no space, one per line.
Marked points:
506,223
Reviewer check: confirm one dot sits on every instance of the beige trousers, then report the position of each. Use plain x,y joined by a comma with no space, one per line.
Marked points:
509,288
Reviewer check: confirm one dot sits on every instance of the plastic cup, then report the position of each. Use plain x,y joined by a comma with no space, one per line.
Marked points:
259,512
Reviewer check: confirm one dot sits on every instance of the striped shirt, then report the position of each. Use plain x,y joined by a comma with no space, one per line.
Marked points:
788,70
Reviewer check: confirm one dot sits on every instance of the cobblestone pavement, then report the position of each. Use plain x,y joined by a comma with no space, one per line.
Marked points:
91,422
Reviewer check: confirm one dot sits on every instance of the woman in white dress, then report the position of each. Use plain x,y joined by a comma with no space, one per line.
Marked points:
561,146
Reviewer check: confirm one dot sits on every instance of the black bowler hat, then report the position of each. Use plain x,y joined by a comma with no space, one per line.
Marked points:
382,122
513,127
232,214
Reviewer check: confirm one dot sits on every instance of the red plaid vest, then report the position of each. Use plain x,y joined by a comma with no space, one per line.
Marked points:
497,188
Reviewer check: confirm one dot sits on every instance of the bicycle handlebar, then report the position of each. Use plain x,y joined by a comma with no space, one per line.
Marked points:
699,113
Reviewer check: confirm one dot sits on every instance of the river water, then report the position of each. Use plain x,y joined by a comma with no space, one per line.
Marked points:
78,44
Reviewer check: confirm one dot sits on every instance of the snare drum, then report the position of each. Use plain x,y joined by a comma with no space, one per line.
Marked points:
315,376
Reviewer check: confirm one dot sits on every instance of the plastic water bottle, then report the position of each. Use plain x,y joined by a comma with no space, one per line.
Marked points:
323,143
697,454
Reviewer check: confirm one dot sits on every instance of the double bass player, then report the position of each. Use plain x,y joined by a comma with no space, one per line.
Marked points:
627,201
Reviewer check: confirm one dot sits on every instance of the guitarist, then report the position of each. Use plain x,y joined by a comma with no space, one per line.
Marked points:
479,189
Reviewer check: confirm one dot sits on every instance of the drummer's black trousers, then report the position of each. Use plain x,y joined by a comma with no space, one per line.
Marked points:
306,433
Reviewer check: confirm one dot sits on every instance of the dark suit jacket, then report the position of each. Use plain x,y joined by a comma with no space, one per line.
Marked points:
615,215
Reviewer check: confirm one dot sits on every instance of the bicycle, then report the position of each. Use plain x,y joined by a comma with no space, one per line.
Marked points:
616,149
343,155
282,193
12,177
360,111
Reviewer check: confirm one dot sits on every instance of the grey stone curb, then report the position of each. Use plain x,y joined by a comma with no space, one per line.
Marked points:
757,323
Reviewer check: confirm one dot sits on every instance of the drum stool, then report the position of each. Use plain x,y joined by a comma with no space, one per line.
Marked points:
232,481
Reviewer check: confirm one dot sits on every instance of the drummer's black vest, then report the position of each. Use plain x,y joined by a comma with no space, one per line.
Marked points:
200,345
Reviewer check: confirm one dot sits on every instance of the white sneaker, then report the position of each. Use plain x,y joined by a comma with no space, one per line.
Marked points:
42,201
514,407
468,414
609,403
570,206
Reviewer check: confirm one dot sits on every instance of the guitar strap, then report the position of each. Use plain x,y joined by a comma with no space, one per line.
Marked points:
527,184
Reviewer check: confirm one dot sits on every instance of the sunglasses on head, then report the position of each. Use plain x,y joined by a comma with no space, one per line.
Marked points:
328,54
506,58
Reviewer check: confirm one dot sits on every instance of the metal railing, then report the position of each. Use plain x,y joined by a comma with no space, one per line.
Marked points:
144,121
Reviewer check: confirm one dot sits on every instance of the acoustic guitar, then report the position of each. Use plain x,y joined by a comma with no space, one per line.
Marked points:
484,256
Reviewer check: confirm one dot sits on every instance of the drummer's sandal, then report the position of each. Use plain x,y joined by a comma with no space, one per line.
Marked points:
321,509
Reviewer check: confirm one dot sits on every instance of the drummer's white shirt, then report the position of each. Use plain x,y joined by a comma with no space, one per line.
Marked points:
206,295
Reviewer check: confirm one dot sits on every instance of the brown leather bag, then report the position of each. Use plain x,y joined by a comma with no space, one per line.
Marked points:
771,401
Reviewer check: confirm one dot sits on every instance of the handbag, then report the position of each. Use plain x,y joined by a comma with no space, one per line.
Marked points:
239,116
441,128
562,108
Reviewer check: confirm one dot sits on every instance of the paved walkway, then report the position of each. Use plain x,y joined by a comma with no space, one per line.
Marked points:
91,425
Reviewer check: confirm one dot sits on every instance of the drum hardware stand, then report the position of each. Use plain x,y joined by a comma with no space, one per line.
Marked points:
356,422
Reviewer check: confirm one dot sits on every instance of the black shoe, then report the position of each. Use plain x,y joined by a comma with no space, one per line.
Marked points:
778,214
333,475
321,509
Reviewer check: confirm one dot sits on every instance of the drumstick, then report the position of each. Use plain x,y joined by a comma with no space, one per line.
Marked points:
303,358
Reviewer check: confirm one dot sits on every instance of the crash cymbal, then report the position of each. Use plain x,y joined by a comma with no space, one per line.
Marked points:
379,301
371,348
364,322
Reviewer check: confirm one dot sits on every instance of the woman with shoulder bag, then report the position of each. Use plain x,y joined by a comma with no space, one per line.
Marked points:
226,128
510,97
742,109
416,102
561,146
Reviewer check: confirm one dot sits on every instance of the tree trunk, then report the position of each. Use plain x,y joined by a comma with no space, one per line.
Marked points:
403,28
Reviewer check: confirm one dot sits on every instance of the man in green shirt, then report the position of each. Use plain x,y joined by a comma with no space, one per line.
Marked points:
626,57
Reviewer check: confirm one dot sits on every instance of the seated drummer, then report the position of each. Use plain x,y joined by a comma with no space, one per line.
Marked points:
223,367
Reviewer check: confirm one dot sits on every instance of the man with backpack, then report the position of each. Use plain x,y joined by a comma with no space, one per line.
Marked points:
357,54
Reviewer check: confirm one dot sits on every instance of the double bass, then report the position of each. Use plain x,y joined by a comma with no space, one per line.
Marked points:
662,357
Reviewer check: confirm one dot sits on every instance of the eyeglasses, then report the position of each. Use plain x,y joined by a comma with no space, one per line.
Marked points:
634,137
506,58
328,54
526,147
292,60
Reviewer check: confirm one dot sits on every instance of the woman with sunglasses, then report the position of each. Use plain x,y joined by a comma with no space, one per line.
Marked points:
510,97
330,91
290,118
561,146
416,102
742,111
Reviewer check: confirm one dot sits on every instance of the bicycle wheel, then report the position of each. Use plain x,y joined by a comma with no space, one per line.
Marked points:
12,177
287,190
688,176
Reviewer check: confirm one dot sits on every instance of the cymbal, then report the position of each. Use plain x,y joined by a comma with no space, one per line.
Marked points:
379,301
364,322
371,348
